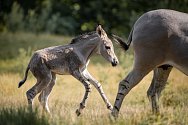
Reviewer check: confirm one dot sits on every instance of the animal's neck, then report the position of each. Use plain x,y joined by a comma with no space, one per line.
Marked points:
87,49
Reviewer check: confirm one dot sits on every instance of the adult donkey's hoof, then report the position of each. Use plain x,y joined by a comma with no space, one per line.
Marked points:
78,112
115,113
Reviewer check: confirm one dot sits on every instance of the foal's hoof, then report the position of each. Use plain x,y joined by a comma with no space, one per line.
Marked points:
78,112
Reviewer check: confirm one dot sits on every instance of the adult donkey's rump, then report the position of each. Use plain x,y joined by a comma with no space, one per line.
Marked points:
160,42
69,59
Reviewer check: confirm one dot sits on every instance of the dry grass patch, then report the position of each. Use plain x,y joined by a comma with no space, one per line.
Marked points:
68,92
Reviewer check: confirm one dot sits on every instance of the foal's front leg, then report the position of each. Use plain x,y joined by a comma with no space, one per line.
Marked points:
99,88
78,76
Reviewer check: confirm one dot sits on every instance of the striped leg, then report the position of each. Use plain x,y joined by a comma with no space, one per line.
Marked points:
160,77
87,86
133,78
99,88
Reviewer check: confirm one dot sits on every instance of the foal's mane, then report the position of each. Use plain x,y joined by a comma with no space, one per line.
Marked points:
82,37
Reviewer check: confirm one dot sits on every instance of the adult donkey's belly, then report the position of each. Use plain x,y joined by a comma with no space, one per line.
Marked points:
179,54
183,49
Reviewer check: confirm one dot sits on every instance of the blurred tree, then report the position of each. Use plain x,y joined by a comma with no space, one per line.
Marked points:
76,16
14,18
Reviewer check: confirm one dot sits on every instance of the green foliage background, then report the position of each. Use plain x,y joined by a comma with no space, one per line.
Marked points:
70,17
29,25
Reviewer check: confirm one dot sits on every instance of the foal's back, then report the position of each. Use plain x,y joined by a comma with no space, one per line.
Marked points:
58,59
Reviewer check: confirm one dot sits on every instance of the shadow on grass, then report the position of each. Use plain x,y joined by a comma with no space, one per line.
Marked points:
22,116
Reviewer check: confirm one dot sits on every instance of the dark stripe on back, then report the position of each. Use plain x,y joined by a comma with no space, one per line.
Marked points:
81,37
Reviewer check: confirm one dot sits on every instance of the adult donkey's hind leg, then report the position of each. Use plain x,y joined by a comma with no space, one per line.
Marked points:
43,97
159,81
132,79
78,75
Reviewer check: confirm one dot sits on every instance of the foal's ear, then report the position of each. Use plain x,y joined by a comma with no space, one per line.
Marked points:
99,30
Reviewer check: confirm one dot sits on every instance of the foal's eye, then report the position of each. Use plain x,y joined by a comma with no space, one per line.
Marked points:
107,47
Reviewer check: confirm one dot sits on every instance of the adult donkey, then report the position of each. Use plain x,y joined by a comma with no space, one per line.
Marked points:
160,42
69,59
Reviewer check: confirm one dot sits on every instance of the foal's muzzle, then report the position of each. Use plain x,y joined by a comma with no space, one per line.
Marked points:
114,62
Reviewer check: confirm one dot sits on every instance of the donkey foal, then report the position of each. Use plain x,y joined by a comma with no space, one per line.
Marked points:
69,59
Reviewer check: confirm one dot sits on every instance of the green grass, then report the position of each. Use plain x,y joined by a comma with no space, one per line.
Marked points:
10,44
68,92
22,116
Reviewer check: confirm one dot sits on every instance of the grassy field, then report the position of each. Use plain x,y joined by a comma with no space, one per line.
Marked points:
15,51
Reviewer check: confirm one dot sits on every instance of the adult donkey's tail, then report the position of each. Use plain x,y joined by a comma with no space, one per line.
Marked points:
25,78
121,42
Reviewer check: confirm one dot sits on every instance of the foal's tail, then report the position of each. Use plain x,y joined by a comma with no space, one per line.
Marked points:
121,42
25,78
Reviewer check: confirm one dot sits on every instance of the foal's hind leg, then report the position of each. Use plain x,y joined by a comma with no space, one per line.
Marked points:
43,97
43,76
77,74
159,81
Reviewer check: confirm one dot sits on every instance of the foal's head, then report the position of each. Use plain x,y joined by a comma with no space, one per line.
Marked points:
106,48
